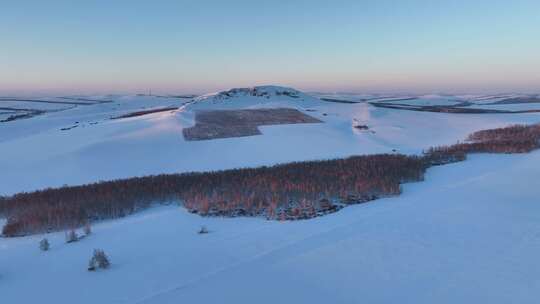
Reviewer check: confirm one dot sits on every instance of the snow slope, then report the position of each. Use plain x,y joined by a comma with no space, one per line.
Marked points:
469,234
92,147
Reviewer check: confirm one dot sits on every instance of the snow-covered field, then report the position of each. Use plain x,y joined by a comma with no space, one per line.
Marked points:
92,147
470,233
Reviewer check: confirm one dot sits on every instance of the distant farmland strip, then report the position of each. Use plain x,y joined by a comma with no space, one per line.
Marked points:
239,123
517,100
79,103
90,101
338,100
457,109
145,112
17,114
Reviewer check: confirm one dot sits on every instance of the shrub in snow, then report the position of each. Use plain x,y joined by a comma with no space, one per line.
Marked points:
44,245
71,236
87,229
203,230
99,260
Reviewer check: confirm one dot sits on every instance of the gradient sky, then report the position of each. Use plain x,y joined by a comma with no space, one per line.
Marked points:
200,46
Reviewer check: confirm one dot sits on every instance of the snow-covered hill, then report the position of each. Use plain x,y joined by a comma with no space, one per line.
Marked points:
257,91
259,96
83,144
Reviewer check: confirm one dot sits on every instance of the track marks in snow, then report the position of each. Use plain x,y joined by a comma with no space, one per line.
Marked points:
273,255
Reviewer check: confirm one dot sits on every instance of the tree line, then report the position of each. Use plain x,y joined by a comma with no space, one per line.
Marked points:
511,139
290,191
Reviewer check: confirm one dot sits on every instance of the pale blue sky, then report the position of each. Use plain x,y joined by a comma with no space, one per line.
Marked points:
199,46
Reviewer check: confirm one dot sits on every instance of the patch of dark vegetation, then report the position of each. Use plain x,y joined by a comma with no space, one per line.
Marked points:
145,112
386,100
456,109
68,128
177,96
183,96
239,123
79,103
338,100
358,125
22,114
512,139
291,191
517,100
16,117
87,101
187,96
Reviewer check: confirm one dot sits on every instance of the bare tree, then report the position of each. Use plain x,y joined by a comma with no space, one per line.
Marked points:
203,230
92,264
87,229
98,260
44,245
71,236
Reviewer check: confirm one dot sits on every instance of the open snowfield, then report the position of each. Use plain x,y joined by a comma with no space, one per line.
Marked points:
83,144
469,234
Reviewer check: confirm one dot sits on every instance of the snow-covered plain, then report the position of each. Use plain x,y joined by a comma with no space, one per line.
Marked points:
470,233
97,148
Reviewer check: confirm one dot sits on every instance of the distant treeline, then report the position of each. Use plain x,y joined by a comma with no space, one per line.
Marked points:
145,112
290,191
512,139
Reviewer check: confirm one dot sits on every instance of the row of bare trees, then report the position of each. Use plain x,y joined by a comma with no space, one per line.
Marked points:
511,139
290,191
297,188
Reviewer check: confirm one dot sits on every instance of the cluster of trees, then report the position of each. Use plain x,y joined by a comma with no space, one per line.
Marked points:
290,191
514,132
300,188
285,191
99,260
512,139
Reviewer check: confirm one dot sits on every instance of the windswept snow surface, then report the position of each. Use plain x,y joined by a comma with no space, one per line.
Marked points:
82,144
469,234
